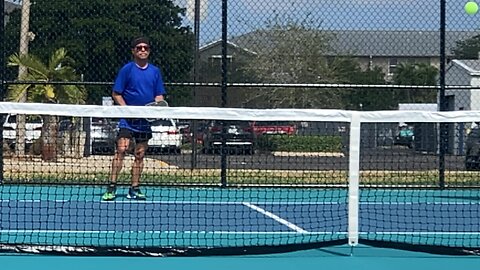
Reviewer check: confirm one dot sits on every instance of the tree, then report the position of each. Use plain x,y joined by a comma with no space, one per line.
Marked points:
97,34
415,74
467,49
368,98
210,71
58,69
294,51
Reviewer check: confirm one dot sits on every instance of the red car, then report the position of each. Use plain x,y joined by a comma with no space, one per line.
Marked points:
274,127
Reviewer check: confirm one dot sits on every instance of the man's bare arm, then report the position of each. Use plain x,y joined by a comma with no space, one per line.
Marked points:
118,98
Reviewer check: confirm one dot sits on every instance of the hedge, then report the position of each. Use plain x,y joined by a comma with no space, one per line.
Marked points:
299,143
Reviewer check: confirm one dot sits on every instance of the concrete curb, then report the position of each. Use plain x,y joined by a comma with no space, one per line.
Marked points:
307,154
293,154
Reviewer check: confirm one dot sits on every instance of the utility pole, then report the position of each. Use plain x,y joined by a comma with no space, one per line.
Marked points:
24,39
3,65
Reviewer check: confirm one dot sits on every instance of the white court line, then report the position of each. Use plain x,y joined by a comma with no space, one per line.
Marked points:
223,202
422,233
242,202
180,202
275,217
414,203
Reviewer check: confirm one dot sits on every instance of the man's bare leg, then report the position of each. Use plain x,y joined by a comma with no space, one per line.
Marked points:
137,166
117,162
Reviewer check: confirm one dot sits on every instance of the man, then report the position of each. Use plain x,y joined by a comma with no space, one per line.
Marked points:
137,84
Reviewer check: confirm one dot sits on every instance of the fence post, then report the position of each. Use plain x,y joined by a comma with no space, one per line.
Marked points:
223,174
196,48
443,126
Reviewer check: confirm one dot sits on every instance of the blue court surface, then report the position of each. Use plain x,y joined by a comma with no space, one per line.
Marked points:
74,215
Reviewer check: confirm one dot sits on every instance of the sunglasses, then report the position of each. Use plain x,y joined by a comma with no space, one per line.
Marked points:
139,48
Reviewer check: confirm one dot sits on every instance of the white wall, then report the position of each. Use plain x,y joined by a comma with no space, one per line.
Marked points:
475,94
430,107
457,75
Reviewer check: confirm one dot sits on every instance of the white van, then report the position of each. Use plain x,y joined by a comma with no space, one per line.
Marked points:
165,136
33,129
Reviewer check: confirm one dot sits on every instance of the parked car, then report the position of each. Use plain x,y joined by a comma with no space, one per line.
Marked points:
274,127
182,125
102,136
102,133
166,136
185,129
33,129
201,127
239,137
472,149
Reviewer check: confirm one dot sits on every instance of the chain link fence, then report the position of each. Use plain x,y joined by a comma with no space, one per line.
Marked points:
345,54
348,54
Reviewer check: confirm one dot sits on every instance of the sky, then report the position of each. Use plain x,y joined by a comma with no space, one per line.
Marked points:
249,15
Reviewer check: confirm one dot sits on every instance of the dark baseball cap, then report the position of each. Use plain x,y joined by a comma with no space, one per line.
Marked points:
139,40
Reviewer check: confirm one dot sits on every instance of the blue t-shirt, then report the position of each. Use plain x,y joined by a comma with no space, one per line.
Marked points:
138,87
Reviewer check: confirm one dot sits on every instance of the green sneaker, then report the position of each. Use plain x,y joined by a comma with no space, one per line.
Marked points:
108,196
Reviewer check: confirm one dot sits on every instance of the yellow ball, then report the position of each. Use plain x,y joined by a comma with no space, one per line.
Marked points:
471,8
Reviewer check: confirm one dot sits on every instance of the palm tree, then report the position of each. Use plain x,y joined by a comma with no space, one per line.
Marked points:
58,69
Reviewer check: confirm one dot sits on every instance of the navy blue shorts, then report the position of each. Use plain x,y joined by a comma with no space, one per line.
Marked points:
139,137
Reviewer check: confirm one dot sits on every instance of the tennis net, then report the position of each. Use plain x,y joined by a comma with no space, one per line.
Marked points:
239,181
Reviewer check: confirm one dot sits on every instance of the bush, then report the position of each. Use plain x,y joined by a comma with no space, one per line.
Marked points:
299,143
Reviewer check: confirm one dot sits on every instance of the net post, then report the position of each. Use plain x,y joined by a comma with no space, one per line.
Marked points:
354,179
